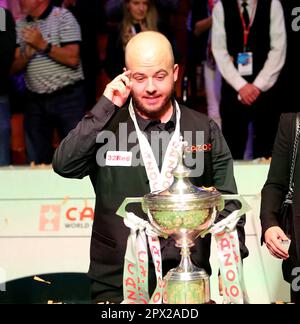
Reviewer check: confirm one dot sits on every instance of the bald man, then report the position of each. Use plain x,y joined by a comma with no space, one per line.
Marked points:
135,117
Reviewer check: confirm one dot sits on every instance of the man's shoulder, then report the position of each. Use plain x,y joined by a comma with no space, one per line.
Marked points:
191,115
59,11
121,116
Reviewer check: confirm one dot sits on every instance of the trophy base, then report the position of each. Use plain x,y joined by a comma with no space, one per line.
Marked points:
187,287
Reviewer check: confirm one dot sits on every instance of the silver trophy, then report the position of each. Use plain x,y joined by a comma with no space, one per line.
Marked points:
184,212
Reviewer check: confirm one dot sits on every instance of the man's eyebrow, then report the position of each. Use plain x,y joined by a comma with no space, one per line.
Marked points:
139,74
161,71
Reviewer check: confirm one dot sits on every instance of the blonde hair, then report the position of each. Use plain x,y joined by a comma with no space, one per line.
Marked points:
151,21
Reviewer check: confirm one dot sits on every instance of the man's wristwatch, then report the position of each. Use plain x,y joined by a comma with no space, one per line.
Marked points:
48,48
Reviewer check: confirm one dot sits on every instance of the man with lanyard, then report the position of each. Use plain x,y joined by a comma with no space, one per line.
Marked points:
113,136
249,45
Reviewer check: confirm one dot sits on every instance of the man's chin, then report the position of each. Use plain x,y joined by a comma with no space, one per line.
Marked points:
151,113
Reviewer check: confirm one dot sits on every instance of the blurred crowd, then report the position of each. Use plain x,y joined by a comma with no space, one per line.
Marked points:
56,56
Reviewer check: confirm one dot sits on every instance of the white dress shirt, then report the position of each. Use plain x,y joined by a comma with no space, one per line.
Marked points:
267,77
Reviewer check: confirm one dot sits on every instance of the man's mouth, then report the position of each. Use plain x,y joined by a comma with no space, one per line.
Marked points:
152,100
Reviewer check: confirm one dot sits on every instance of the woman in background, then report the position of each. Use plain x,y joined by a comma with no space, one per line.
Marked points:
274,194
138,15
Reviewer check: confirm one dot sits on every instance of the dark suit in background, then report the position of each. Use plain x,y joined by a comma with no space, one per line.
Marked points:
276,188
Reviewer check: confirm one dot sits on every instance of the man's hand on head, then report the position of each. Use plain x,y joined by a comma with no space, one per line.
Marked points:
118,90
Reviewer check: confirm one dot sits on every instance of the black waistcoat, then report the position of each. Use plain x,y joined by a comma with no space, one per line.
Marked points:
114,184
259,35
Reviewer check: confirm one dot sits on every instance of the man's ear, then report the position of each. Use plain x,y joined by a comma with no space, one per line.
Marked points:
175,72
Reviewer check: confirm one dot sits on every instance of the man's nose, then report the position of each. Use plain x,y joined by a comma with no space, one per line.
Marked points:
150,87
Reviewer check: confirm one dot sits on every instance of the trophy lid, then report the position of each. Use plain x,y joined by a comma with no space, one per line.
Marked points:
182,194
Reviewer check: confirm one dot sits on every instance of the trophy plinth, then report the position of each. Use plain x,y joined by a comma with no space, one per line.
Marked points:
184,212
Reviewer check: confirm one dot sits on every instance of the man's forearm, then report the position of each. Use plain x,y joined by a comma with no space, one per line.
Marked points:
202,26
19,64
65,56
77,151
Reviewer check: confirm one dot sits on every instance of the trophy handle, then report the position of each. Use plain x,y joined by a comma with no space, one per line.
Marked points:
122,209
245,206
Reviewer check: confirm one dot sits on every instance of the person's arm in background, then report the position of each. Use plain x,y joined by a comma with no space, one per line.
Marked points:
201,21
246,92
276,186
22,59
220,51
224,181
276,56
68,52
202,26
76,155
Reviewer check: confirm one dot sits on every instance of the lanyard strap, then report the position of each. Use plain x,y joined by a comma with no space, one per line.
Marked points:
228,251
246,29
211,4
164,179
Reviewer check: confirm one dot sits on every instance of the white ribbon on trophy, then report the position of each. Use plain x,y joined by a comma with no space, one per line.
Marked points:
229,257
135,278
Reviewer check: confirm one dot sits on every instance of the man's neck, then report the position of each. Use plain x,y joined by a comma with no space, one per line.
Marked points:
39,9
167,115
